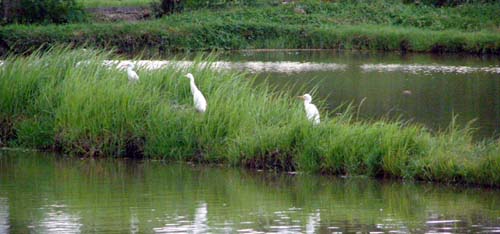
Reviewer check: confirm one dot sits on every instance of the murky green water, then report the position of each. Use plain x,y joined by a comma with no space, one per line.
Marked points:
461,85
42,193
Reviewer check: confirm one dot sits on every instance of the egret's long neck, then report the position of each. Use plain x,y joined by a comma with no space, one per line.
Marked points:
193,86
129,69
307,102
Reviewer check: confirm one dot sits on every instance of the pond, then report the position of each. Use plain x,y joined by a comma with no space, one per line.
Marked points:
422,88
45,193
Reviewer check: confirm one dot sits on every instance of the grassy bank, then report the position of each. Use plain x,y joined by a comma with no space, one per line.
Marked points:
47,102
376,25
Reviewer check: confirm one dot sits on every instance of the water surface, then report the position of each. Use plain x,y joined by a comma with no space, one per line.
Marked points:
44,193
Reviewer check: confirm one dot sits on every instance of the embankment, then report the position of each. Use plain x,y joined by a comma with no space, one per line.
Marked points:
371,25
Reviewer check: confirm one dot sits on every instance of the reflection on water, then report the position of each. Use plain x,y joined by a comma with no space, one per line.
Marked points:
313,222
181,225
57,220
4,215
47,194
200,219
134,222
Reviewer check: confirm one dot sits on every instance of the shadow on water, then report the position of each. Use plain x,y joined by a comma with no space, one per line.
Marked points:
44,194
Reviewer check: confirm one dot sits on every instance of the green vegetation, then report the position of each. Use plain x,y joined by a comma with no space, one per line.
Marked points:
40,11
374,25
48,102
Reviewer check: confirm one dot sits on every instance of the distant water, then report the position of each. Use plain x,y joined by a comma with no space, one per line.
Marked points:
299,67
41,193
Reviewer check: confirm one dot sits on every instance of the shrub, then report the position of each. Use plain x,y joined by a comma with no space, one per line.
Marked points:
41,11
166,7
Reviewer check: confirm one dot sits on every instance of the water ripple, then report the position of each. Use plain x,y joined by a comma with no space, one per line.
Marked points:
414,68
294,67
442,221
58,220
198,225
4,215
251,66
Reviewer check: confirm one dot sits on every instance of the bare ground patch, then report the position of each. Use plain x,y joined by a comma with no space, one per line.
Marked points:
112,14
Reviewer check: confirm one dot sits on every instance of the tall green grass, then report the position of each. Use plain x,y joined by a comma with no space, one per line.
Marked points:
89,109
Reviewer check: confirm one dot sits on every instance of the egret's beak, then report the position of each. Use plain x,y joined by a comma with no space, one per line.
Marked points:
301,97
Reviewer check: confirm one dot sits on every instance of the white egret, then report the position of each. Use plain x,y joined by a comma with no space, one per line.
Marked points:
311,109
200,103
407,92
132,75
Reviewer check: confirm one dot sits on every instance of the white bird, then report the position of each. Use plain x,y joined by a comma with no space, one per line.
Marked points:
311,109
200,103
132,75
